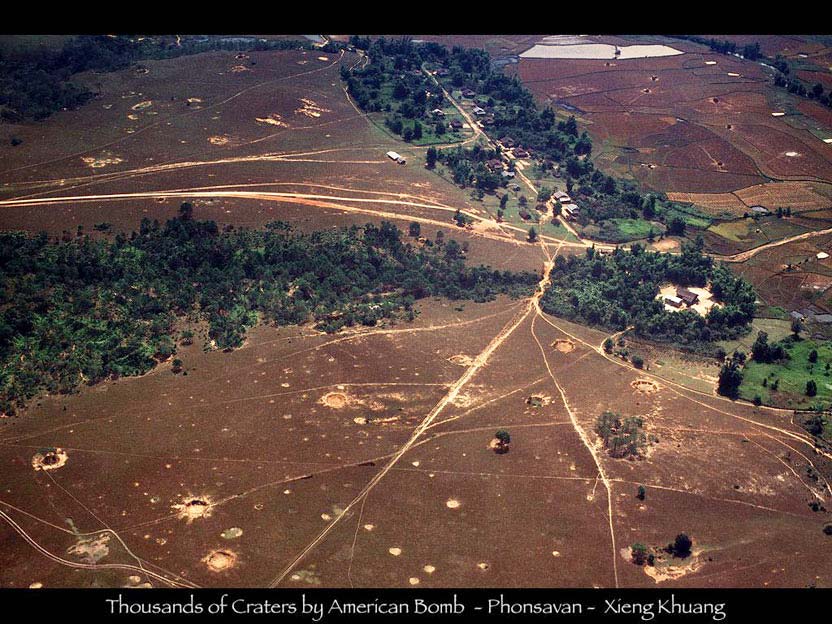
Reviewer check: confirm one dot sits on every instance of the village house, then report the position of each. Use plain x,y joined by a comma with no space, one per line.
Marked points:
673,301
456,124
467,93
570,211
507,142
562,197
688,297
479,112
437,112
520,153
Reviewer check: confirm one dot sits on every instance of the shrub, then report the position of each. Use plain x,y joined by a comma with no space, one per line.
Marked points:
680,547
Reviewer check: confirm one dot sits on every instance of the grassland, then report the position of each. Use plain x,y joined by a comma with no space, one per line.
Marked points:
791,377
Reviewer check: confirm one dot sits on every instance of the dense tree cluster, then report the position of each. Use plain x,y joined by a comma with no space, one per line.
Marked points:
468,167
764,352
394,83
36,82
85,310
622,437
620,290
750,51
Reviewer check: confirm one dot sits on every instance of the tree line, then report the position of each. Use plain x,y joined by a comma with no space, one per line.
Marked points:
84,310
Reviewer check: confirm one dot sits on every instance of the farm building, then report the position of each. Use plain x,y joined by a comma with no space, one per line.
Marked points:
673,301
396,157
688,297
822,255
759,210
570,211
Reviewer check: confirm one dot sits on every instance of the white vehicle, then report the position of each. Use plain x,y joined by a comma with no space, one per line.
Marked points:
396,157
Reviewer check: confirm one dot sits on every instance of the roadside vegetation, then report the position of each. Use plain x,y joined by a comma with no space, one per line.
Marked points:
82,310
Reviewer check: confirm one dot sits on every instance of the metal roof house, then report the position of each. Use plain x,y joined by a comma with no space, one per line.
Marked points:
690,298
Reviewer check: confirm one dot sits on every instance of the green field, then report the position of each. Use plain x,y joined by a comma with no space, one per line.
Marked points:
623,230
776,328
792,375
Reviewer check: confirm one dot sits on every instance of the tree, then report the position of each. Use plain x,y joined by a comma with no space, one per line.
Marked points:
186,211
730,378
641,492
797,327
608,345
676,226
639,554
503,440
681,546
649,207
176,366
532,235
811,388
764,352
637,360
430,157
814,424
813,356
415,230
504,201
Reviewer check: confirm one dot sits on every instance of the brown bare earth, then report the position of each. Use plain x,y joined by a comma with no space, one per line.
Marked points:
697,125
364,458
